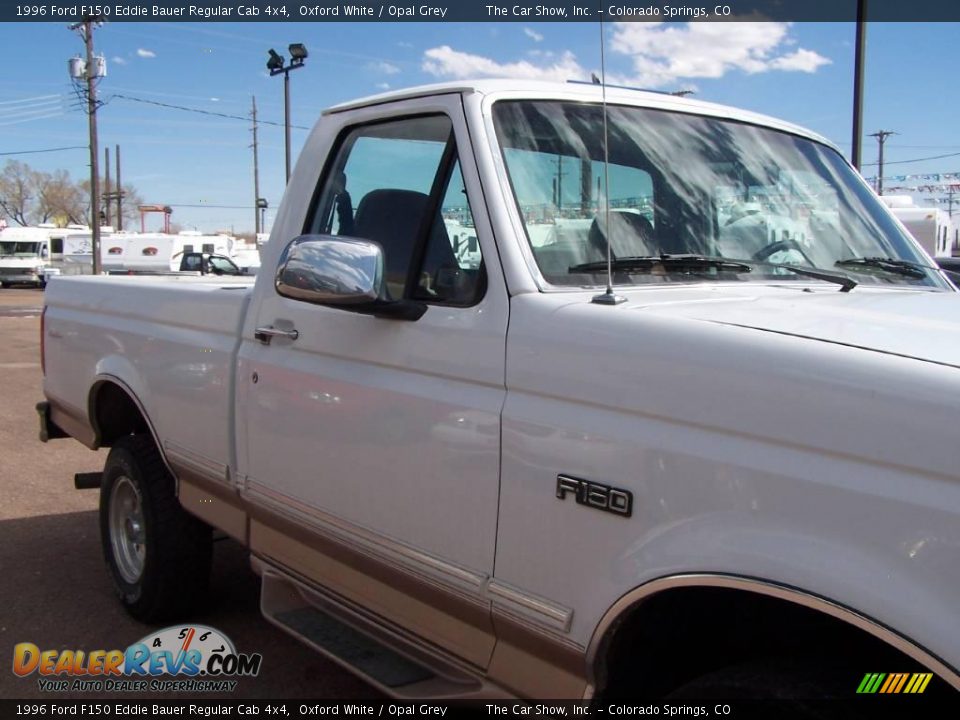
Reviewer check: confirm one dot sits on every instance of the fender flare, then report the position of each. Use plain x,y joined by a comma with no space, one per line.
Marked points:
770,589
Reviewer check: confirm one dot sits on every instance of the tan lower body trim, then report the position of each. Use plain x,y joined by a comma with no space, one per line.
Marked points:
535,665
73,422
213,502
448,620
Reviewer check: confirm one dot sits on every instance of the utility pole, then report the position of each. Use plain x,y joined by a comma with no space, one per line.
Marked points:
92,70
107,197
860,51
881,136
256,174
119,192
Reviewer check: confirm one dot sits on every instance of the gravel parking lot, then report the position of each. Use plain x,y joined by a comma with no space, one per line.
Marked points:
55,590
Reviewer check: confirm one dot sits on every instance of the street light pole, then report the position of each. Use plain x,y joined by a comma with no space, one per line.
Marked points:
855,155
276,65
286,119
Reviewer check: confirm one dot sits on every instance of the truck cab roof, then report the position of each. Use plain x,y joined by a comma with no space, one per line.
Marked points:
578,91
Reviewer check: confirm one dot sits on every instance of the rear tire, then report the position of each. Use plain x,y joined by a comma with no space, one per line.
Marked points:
159,555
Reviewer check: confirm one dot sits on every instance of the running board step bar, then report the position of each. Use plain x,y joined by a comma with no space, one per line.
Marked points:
381,656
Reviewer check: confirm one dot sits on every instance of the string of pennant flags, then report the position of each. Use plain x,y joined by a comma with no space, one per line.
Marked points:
931,183
935,177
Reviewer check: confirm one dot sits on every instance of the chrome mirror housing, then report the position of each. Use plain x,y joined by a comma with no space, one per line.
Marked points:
330,270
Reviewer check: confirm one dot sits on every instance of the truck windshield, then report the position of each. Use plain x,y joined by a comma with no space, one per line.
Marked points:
20,249
684,184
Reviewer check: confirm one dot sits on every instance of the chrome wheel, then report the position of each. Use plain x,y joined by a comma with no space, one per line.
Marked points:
127,534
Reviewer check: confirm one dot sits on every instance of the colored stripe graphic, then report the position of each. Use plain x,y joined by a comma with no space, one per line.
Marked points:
894,683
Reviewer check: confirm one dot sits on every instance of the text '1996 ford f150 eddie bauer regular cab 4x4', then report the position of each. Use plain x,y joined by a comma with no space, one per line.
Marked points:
448,443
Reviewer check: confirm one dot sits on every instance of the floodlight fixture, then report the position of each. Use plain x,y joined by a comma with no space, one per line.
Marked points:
275,63
298,53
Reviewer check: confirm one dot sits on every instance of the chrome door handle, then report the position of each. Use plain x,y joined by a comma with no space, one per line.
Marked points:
266,333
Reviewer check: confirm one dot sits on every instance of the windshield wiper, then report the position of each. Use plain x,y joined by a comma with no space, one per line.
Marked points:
669,263
894,266
845,282
680,263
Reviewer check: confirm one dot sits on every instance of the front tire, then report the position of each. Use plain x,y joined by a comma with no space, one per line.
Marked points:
158,554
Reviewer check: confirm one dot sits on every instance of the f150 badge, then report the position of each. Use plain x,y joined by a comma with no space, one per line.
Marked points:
596,495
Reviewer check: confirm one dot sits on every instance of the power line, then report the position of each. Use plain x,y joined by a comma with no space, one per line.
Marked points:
205,205
202,112
32,100
932,157
45,150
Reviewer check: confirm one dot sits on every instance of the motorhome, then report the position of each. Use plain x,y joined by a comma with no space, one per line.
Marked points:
932,227
30,255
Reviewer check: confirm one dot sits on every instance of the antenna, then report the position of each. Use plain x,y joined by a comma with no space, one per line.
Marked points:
608,297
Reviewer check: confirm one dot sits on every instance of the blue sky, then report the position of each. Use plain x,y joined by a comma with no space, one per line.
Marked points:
801,72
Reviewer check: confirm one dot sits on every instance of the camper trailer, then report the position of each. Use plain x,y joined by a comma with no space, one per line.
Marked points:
140,252
930,226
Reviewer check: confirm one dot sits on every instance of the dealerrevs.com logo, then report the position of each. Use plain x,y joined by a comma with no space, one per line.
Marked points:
199,659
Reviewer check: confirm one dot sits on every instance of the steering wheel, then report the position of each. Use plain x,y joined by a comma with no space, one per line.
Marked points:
764,253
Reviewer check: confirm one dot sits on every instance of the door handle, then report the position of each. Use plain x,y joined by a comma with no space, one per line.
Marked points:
266,333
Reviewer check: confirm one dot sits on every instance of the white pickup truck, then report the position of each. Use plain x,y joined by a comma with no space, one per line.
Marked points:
732,472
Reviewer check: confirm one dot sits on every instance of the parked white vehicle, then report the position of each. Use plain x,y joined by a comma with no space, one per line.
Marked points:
932,227
25,255
153,252
734,474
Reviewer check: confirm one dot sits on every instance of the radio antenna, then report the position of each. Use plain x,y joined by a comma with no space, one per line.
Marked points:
608,297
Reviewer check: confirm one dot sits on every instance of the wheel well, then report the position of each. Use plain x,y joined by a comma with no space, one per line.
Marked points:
670,638
115,414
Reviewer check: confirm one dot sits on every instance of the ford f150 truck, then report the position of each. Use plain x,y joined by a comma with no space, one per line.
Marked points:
685,422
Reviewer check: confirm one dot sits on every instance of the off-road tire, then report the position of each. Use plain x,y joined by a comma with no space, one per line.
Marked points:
171,578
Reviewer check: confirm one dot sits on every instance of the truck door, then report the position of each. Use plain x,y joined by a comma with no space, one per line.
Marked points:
382,436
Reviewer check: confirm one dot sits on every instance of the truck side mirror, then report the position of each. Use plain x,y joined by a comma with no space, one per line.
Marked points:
343,272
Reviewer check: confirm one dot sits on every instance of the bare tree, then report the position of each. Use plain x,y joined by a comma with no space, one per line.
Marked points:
17,191
131,199
30,196
59,199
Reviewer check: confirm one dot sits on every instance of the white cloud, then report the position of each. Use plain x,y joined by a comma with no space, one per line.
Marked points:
384,67
800,61
444,61
660,54
532,34
383,86
144,53
118,60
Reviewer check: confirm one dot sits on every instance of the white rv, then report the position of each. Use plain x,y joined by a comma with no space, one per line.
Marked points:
930,226
30,255
140,252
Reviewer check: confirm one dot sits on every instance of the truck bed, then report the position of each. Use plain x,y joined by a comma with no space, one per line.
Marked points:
169,340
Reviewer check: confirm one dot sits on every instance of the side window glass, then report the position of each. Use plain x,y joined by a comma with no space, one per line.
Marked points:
379,189
399,184
452,269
